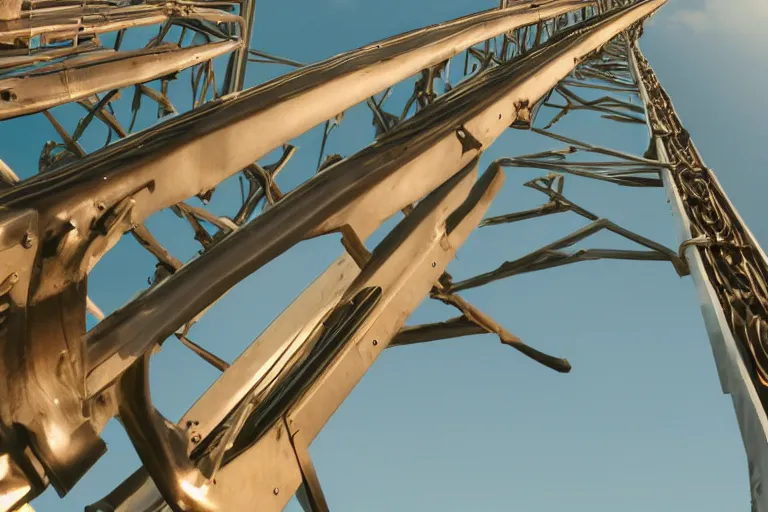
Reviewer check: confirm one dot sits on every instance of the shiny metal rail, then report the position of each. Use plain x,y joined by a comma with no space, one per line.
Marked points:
88,68
97,72
728,267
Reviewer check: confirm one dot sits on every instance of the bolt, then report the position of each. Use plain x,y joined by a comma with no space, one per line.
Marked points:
28,240
275,491
196,438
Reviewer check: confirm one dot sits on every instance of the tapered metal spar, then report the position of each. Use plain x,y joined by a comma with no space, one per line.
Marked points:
79,21
7,63
100,72
728,267
191,154
448,133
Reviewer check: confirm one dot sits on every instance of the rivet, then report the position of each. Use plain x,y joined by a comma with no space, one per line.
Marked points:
196,438
275,491
375,342
434,264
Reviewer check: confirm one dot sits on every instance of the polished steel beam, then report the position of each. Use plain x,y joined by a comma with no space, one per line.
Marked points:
59,23
727,265
95,72
30,57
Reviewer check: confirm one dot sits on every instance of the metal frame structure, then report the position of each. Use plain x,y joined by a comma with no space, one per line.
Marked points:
61,383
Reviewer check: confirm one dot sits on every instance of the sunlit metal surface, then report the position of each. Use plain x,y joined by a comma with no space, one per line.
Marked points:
244,445
728,266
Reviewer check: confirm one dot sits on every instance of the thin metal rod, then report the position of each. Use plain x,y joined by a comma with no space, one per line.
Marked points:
452,328
506,337
205,355
248,13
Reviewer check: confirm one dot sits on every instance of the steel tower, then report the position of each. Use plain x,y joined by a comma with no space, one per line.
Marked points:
438,98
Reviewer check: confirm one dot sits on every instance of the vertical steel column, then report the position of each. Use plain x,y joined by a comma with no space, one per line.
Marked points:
722,317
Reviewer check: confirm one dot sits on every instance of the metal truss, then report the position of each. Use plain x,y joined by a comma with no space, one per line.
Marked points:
244,444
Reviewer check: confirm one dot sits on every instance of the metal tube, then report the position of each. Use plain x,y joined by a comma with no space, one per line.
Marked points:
77,21
10,61
97,73
248,13
81,21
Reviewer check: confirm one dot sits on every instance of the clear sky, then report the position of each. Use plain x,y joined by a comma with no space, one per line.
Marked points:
639,425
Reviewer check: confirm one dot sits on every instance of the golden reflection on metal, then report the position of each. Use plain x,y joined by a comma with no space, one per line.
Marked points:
244,443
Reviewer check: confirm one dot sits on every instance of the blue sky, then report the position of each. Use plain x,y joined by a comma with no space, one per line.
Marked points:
639,424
